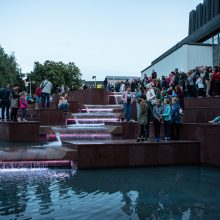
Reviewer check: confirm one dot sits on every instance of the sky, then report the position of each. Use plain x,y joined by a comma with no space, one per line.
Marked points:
102,37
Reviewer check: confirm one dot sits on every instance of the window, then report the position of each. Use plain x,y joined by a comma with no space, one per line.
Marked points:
215,39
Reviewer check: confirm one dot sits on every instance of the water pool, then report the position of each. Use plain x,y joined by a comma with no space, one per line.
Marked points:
144,193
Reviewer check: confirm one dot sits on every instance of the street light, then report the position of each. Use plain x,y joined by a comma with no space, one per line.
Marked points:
94,77
30,84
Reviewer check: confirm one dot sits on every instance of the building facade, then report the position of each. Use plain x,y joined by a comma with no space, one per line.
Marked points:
204,30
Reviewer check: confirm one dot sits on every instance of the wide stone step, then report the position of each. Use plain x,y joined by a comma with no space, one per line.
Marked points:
16,153
208,136
112,154
19,131
103,106
202,102
200,114
95,115
47,116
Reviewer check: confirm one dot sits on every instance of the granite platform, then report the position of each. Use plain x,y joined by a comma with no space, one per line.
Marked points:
124,153
19,131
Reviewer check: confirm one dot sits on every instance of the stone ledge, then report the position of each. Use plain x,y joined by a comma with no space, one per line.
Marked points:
19,131
200,114
112,154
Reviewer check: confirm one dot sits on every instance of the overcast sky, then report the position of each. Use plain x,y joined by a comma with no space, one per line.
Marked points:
102,37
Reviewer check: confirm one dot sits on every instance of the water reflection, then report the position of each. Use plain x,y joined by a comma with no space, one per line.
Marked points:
150,193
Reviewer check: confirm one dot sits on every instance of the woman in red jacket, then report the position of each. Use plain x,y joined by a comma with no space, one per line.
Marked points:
216,79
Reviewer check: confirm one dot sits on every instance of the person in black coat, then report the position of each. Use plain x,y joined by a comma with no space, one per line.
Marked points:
5,102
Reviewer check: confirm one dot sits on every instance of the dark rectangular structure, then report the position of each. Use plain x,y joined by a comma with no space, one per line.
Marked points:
19,131
131,154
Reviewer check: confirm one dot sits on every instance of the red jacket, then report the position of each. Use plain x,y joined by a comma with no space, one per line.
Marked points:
216,76
23,102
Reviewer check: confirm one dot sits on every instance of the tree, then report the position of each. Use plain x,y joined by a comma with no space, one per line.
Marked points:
58,73
9,71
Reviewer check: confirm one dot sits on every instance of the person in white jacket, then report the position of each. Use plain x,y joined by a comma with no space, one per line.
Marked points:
128,98
200,86
46,87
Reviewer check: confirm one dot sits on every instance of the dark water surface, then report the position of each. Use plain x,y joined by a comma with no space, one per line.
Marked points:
141,193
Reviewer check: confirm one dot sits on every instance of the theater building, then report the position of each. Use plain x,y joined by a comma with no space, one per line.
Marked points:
200,48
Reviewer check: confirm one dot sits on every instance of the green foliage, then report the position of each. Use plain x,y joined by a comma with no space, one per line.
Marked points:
9,71
58,73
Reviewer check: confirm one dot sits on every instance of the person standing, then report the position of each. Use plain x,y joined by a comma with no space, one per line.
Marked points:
137,96
176,118
128,99
157,118
5,102
167,119
14,102
216,80
46,87
37,97
142,119
23,105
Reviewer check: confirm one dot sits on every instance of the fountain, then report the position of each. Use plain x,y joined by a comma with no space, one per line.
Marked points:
96,137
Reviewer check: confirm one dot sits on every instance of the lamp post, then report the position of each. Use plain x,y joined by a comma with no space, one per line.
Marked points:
94,77
30,84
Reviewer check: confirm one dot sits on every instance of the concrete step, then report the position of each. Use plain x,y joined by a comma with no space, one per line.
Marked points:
112,154
200,114
202,102
53,154
208,136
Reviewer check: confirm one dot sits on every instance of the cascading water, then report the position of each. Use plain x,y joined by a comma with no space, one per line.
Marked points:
6,166
90,123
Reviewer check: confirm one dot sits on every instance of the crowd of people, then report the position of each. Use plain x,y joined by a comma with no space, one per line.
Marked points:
162,99
199,82
12,99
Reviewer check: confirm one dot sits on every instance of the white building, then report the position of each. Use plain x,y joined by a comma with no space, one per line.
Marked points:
113,79
185,58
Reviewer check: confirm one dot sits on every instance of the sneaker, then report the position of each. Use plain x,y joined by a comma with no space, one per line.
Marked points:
24,120
138,140
212,123
143,139
19,119
132,120
165,138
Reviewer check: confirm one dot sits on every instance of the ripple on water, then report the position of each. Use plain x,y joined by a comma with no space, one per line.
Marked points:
145,193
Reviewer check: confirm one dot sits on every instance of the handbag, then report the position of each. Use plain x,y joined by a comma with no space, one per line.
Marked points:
14,103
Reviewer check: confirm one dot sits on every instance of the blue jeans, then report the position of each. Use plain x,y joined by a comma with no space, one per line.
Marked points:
45,97
128,111
64,106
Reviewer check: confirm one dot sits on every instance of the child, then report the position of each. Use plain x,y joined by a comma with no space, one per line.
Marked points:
167,119
157,118
23,105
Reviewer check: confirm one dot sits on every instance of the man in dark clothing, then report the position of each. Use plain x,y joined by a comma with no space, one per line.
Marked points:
177,77
5,101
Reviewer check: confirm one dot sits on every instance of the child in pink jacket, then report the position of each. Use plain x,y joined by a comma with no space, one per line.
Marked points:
23,105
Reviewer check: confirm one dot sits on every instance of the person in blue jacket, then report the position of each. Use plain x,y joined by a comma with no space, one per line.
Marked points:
167,119
176,118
